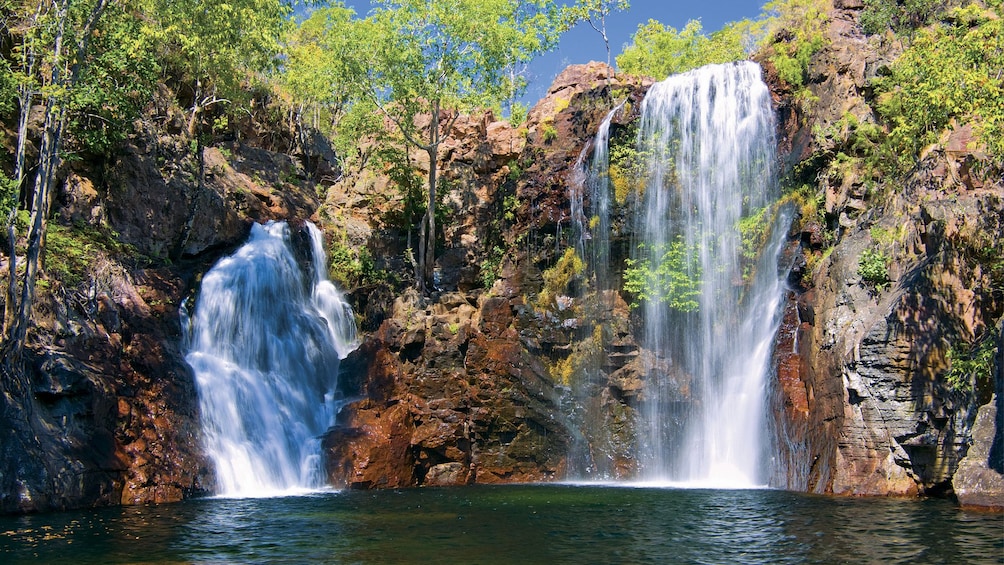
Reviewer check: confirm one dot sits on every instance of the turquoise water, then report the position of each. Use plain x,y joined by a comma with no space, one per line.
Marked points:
514,524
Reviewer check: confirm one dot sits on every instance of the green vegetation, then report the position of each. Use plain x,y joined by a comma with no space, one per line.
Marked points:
351,267
491,266
315,78
674,279
586,354
900,16
659,51
971,365
558,277
117,80
857,145
949,75
72,251
873,268
887,237
807,200
790,32
214,57
548,131
754,228
628,168
796,32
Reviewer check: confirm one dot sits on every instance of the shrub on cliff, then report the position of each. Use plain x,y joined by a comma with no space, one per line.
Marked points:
950,73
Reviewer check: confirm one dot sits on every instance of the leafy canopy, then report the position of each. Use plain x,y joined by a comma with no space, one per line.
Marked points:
791,31
795,31
315,71
117,79
453,54
217,45
660,51
901,16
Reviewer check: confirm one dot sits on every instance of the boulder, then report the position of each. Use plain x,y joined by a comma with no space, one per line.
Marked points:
979,480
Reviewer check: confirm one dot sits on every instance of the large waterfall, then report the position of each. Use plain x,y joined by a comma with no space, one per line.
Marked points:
706,255
266,337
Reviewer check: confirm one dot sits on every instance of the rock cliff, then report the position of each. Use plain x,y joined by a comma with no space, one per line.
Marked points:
459,386
879,415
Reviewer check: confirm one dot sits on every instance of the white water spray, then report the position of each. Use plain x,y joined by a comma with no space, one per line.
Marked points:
265,342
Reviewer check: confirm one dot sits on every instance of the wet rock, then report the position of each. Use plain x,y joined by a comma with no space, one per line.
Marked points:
371,450
471,404
447,474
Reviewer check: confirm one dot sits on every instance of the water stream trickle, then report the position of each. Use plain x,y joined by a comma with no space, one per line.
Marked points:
265,339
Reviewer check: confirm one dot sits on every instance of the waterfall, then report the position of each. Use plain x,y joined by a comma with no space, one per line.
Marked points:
712,305
593,450
593,243
264,341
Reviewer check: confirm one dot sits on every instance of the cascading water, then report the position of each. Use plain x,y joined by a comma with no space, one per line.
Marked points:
711,309
591,241
265,342
594,232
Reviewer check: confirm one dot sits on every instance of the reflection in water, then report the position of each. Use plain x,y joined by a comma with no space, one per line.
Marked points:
524,524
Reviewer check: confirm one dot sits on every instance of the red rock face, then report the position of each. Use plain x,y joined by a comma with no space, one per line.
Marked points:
471,367
451,398
117,398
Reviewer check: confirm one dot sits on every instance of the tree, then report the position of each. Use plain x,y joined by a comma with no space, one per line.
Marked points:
20,79
437,59
316,78
58,41
660,51
314,71
901,16
215,46
595,13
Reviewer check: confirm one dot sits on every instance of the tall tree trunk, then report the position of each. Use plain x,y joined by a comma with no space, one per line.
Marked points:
427,255
47,160
25,94
55,120
193,120
430,245
24,101
420,270
65,72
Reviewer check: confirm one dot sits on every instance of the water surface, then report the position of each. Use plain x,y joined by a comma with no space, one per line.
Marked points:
514,524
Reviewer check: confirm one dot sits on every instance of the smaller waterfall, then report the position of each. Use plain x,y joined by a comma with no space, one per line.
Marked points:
265,342
593,243
328,300
590,205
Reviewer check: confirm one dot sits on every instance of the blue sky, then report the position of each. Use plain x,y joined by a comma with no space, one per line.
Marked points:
582,44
